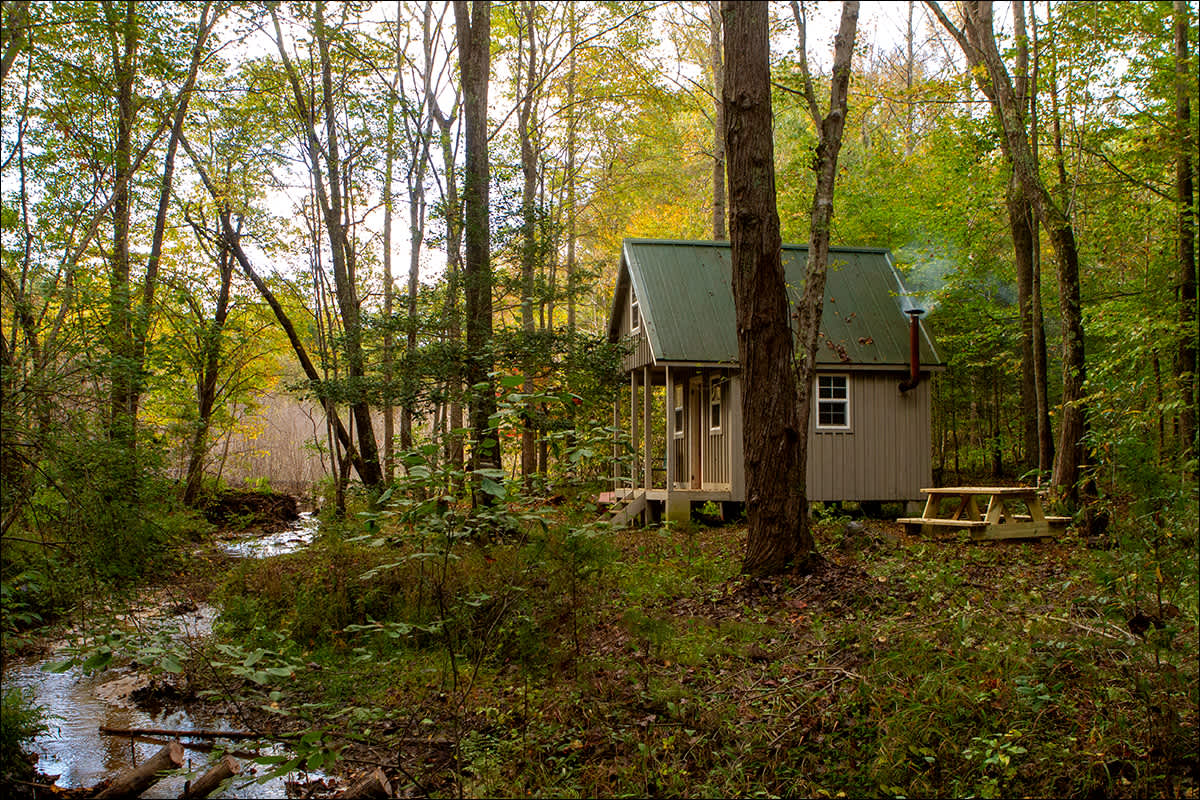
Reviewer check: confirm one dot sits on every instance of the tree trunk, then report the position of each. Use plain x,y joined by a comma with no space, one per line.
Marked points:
1020,223
572,116
776,395
529,245
207,783
979,44
208,377
454,231
473,24
1045,430
389,158
123,36
1185,360
772,430
331,190
141,320
718,73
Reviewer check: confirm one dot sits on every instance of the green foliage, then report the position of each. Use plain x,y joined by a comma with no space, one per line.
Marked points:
21,722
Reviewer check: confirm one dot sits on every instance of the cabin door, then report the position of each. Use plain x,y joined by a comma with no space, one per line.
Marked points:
695,432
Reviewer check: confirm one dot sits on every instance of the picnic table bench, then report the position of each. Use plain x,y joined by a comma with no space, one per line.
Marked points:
997,522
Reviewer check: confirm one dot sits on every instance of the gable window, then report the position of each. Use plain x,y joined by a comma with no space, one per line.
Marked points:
833,403
714,405
635,316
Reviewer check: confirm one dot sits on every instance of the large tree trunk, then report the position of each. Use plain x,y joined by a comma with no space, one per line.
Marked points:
1185,360
473,23
1041,372
1020,223
330,190
772,429
775,395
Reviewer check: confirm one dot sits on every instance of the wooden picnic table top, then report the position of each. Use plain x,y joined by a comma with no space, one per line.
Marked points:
994,490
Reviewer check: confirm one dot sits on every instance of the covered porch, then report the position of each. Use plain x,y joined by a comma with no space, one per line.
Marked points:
677,441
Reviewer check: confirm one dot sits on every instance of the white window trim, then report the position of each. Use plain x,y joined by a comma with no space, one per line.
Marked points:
678,414
635,311
817,404
716,400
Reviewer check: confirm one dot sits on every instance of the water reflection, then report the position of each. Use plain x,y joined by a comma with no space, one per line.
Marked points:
77,705
262,545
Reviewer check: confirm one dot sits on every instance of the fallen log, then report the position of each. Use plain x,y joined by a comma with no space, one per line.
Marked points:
136,780
200,747
181,734
207,783
374,785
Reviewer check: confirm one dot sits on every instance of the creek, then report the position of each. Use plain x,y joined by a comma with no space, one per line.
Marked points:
77,704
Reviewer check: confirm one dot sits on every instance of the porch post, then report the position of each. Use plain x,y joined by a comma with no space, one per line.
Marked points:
633,429
677,508
647,462
616,447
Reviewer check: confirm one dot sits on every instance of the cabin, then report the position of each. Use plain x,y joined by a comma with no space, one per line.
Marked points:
869,435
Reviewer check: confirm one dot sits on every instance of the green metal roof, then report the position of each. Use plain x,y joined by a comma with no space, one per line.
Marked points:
686,299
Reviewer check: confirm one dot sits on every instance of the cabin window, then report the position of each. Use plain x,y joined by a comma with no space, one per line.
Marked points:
635,317
833,402
714,405
678,400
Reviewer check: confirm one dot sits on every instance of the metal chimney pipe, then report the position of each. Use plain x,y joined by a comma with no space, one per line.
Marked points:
914,349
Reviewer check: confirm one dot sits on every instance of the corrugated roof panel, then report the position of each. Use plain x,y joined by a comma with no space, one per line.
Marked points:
687,301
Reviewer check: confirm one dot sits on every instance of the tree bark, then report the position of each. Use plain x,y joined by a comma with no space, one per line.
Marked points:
389,158
1041,372
473,23
572,117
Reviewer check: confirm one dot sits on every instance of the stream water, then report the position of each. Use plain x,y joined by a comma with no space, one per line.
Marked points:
77,704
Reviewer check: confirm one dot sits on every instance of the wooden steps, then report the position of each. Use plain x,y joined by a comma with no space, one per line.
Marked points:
634,506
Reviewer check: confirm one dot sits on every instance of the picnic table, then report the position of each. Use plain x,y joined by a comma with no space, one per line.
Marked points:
999,520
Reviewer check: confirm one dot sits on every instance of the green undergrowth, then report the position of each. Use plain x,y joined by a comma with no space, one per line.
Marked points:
536,653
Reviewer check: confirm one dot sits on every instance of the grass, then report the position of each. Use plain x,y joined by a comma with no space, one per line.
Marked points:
570,661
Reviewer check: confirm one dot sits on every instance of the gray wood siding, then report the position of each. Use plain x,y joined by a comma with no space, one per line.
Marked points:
716,442
885,455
